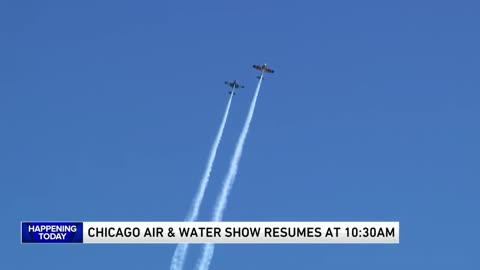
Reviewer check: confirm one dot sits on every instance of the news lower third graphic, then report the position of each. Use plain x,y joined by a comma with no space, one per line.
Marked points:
211,232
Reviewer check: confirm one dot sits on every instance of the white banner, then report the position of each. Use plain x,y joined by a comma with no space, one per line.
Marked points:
241,232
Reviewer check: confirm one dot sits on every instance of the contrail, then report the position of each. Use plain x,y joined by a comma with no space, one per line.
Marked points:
208,249
180,254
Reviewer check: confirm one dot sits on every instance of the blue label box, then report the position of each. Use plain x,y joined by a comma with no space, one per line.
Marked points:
52,232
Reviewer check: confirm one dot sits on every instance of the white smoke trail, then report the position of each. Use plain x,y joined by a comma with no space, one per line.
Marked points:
180,254
208,249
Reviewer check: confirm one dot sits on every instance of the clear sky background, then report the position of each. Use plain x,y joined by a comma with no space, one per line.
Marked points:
108,110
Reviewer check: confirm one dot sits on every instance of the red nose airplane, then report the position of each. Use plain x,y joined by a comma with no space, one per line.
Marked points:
263,68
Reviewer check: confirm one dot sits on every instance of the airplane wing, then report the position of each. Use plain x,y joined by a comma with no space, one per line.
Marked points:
229,84
239,86
257,67
269,70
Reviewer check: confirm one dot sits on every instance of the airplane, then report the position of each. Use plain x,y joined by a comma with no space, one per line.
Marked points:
234,85
263,68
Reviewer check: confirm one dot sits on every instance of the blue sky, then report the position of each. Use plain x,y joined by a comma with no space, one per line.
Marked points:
108,110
